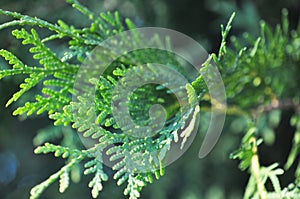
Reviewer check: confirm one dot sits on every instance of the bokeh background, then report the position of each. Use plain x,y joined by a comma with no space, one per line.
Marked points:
215,176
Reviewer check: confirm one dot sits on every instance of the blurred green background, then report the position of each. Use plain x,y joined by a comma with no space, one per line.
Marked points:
215,176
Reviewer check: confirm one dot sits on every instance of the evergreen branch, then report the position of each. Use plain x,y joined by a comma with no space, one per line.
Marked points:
224,34
95,166
60,151
30,82
139,160
295,151
255,169
75,156
135,184
34,21
84,10
62,174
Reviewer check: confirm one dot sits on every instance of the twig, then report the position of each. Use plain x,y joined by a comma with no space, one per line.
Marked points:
255,170
277,104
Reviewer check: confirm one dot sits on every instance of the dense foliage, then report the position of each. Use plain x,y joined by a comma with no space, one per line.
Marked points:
260,75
